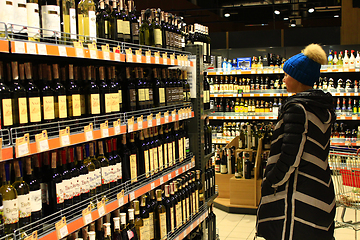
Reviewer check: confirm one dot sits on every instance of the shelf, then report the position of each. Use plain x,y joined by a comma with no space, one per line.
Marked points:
4,46
233,117
353,142
223,140
130,193
264,93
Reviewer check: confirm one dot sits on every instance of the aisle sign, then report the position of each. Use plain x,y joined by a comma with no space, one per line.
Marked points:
106,51
86,213
120,198
89,132
61,228
139,121
149,120
158,119
22,146
64,137
104,127
148,56
131,124
117,127
129,56
157,57
42,143
101,207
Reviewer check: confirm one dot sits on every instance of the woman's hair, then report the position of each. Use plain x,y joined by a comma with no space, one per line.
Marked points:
315,53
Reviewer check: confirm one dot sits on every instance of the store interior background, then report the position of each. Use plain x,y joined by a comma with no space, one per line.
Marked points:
254,29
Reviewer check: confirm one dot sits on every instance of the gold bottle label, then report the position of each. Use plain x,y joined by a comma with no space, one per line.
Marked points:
161,95
157,37
141,95
165,155
197,200
161,161
62,106
156,162
151,225
35,109
108,106
162,219
170,154
133,168
179,214
144,230
23,112
151,157
181,153
184,210
76,105
171,217
120,96
48,105
95,103
147,94
115,107
147,165
119,26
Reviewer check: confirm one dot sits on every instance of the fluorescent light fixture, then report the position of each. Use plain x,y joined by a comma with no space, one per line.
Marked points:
293,23
311,10
227,15
277,12
286,18
336,16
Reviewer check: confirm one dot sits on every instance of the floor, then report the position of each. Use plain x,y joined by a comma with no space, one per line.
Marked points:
242,227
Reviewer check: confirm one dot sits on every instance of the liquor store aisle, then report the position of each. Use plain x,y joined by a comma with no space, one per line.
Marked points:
231,226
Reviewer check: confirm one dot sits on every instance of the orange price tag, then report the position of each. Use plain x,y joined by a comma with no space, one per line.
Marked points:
104,129
116,51
131,124
172,59
139,121
129,55
65,137
117,127
120,198
61,228
89,132
42,143
22,146
86,213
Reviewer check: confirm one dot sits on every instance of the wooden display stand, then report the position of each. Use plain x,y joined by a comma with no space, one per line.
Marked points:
240,195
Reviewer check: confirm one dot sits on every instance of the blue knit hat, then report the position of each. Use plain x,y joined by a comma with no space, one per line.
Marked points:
303,69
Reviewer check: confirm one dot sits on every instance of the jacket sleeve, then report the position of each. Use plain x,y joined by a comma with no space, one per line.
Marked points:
294,137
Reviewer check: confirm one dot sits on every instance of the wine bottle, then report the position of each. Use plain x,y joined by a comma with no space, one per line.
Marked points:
112,164
159,90
144,153
114,19
199,194
118,161
169,210
92,177
33,95
157,30
50,20
55,187
182,196
131,226
144,214
134,22
144,30
126,24
131,93
114,90
172,208
105,170
117,232
135,167
47,96
152,212
123,225
33,20
140,89
83,174
187,197
60,102
160,217
138,221
87,21
102,22
195,201
68,15
100,229
152,151
19,100
73,93
92,92
223,163
97,164
105,96
67,180
75,177
107,231
6,102
10,201
158,165
35,192
23,195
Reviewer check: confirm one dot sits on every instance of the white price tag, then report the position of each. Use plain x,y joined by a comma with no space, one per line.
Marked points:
65,140
62,51
161,181
140,125
105,133
106,55
19,47
129,57
87,219
173,117
89,136
130,128
117,130
166,118
138,58
191,227
183,169
121,201
31,48
158,121
149,123
42,49
187,167
152,185
63,231
101,211
117,57
93,54
177,173
148,59
44,145
172,61
79,52
23,149
169,177
157,60
185,232
132,196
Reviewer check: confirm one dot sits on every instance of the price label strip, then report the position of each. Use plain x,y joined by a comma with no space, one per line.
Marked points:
106,51
173,115
22,146
88,130
104,127
164,56
86,213
129,56
42,143
120,198
131,124
93,50
139,122
172,59
65,137
166,116
1,141
79,49
117,125
157,57
148,56
158,119
116,51
150,120
101,207
61,228
138,55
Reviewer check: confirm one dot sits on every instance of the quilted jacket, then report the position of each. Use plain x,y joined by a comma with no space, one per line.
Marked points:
298,200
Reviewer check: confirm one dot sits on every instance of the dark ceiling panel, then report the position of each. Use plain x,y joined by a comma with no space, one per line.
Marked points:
218,40
305,36
265,38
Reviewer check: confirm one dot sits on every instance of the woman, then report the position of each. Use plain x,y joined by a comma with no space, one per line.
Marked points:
298,201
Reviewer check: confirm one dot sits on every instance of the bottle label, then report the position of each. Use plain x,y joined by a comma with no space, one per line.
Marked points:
162,219
50,15
108,106
126,27
33,19
113,175
119,26
82,104
147,94
106,27
151,157
76,105
171,217
44,193
161,95
184,147
193,205
170,148
158,37
95,103
146,159
173,152
187,207
76,182
135,29
72,13
184,210
141,94
49,111
68,191
92,25
197,200
132,99
105,175
133,168
115,107
120,96
7,112
165,155
161,160
6,8
20,17
144,230
223,169
97,173
62,106
156,160
23,113
187,144
151,225
59,193
92,179
181,150
35,200
24,205
11,211
178,215
84,183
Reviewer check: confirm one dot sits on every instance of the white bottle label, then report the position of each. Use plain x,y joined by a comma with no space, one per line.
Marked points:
33,19
105,175
11,211
44,193
72,13
92,179
20,15
119,170
92,25
35,199
97,174
50,20
84,183
76,181
24,205
68,191
59,192
6,12
113,177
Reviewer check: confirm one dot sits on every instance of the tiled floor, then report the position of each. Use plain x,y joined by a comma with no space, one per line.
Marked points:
242,227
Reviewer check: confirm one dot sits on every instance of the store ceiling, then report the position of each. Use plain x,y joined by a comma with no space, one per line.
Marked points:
251,15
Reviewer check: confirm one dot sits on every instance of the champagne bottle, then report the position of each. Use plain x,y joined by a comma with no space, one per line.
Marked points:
10,201
50,17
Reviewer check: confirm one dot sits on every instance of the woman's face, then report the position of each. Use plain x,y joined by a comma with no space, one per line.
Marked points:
291,84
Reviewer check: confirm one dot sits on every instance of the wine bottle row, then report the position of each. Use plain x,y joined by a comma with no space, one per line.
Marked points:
43,93
56,180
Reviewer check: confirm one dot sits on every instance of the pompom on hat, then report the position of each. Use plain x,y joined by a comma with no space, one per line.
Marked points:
305,66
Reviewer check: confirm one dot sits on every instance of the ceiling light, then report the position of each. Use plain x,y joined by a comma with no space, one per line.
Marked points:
227,15
286,18
311,10
277,12
336,16
293,23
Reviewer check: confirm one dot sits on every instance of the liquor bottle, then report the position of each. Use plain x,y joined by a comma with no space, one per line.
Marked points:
125,156
92,93
75,177
199,194
131,93
117,232
105,170
23,195
19,101
68,16
47,96
114,90
55,187
330,58
6,102
160,217
87,21
102,22
153,152
157,30
33,95
123,224
33,20
92,175
152,212
357,60
112,164
138,221
67,180
144,214
35,192
83,174
10,201
140,89
107,231
134,22
144,30
50,20
352,60
183,196
171,208
346,60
